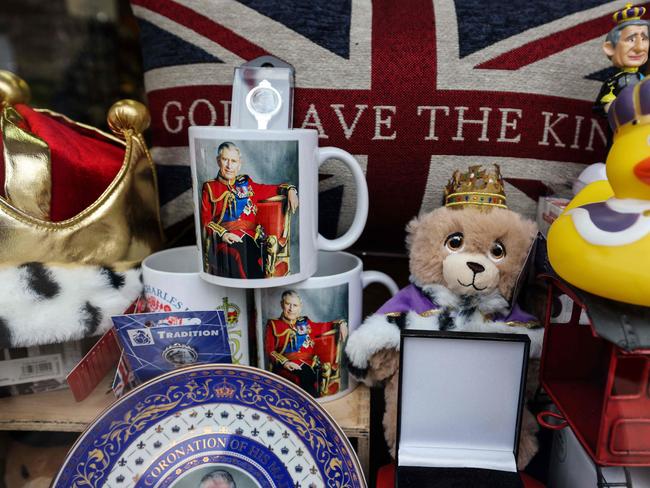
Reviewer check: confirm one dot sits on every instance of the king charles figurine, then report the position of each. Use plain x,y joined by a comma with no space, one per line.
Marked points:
626,46
234,242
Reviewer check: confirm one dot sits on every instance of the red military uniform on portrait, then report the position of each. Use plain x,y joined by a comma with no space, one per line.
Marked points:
232,207
294,341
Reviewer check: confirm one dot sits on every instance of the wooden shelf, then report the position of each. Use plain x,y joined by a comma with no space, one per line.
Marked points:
58,411
54,410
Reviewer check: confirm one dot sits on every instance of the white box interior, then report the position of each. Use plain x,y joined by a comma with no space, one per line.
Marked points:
459,402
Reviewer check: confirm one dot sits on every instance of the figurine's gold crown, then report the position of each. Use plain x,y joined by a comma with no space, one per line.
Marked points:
476,186
628,13
225,390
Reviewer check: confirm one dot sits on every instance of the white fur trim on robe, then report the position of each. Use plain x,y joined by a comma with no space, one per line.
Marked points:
43,304
476,323
373,335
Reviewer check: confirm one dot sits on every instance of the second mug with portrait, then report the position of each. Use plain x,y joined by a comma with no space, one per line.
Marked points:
302,329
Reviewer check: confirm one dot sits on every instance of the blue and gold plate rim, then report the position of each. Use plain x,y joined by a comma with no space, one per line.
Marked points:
97,449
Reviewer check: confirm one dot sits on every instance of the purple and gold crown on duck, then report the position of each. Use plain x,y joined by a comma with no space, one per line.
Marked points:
628,13
476,187
631,107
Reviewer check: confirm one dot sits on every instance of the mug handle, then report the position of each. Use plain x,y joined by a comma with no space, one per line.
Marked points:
361,214
368,277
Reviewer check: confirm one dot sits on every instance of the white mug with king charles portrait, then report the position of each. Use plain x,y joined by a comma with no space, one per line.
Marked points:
256,204
172,284
302,329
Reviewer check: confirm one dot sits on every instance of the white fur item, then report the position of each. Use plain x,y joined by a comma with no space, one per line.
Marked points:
30,319
490,303
373,335
476,323
377,333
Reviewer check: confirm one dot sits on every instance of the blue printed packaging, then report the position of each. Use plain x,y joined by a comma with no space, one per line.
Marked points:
155,343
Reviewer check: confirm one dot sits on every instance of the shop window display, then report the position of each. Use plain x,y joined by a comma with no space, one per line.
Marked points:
411,99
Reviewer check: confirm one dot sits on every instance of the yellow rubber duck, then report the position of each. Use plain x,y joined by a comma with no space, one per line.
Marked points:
601,242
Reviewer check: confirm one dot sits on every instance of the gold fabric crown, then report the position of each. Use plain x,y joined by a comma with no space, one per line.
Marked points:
120,228
477,187
628,13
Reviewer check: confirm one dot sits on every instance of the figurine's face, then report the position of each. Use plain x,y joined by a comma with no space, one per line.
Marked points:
291,307
631,50
229,162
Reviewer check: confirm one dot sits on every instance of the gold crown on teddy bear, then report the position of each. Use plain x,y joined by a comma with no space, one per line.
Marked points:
476,187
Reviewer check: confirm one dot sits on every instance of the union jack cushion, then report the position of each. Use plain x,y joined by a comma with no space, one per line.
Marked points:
414,89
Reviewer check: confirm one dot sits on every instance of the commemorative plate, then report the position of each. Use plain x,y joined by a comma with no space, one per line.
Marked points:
206,424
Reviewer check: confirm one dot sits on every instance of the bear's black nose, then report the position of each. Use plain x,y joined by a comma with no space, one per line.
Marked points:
477,268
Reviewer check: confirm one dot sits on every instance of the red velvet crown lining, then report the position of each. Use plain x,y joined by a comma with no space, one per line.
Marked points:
83,163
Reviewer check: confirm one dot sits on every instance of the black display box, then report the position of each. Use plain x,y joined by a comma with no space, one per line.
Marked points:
461,396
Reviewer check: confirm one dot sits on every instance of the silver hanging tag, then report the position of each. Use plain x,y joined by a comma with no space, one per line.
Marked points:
262,95
263,102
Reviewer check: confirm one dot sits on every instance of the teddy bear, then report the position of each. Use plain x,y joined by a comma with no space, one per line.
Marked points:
465,259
